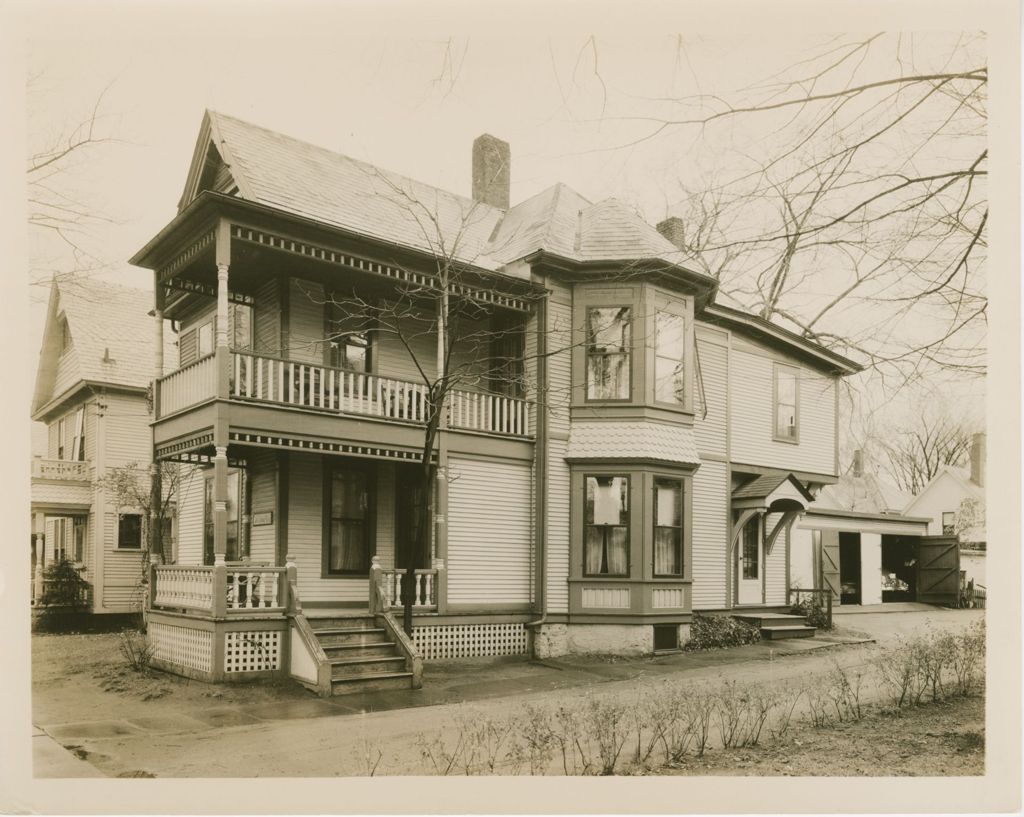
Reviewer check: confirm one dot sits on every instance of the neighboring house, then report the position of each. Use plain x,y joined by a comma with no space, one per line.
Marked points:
954,503
653,464
95,369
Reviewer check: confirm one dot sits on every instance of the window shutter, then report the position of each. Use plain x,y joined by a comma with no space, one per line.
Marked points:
188,347
77,452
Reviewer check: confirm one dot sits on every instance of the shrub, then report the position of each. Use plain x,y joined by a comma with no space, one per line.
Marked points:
812,610
135,650
711,632
64,600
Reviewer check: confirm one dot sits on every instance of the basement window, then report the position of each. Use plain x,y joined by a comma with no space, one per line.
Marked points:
666,637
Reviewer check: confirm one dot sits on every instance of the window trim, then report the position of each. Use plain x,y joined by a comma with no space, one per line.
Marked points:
630,352
370,532
952,523
686,404
132,548
629,524
778,367
681,484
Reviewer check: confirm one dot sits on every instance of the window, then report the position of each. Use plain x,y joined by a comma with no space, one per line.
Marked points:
606,526
669,358
348,544
205,338
240,324
65,336
609,340
60,544
61,432
78,533
751,554
349,345
78,440
129,531
668,527
948,523
508,347
232,552
786,401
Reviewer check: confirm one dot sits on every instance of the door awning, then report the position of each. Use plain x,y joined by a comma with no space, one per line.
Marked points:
776,492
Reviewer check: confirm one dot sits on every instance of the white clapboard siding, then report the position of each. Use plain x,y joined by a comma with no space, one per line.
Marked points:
394,360
305,536
122,572
710,535
127,437
386,514
557,511
191,515
559,362
68,371
751,378
263,489
710,404
305,322
267,320
489,532
90,433
775,564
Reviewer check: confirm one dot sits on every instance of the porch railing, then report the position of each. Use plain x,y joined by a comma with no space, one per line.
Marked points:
424,589
820,597
69,470
256,377
219,591
292,383
492,413
188,386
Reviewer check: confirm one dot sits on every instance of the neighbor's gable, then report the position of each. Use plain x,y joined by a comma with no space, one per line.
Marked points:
59,366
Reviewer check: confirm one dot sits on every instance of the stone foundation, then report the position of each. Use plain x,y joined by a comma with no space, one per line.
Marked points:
554,640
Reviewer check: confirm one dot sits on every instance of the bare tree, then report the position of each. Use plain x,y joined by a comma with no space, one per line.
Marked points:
916,452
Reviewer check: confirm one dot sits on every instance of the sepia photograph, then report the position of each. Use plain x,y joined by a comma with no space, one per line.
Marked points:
413,397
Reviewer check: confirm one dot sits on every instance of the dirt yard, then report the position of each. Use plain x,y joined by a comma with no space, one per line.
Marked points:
99,669
935,740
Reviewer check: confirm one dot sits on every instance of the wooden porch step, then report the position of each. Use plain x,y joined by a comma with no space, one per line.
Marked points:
370,682
381,648
787,631
336,636
342,622
373,665
767,619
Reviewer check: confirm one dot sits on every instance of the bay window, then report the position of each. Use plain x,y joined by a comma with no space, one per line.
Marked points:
609,352
606,526
668,527
669,358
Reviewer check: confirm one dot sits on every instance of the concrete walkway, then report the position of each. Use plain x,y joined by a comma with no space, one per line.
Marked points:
289,738
50,759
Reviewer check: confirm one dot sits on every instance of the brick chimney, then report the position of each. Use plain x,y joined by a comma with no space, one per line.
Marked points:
978,458
492,171
858,463
672,229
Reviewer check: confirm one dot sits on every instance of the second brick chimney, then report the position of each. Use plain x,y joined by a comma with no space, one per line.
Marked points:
492,171
672,229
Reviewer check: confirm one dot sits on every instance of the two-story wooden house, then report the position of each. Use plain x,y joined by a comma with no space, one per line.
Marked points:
95,369
646,460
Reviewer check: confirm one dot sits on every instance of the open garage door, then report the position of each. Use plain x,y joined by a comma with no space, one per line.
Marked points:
829,564
938,570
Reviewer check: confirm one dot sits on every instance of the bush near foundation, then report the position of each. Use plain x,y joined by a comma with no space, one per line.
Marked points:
814,612
715,632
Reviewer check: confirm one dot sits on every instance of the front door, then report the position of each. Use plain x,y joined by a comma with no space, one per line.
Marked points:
409,517
750,566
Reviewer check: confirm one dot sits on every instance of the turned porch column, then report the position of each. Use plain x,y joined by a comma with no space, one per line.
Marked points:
220,505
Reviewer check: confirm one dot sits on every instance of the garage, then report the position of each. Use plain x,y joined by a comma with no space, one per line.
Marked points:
868,559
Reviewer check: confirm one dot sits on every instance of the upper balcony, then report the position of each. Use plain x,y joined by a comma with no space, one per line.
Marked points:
61,470
260,379
61,484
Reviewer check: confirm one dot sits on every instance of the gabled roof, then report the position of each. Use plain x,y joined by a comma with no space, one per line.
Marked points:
866,493
960,477
313,182
764,486
111,337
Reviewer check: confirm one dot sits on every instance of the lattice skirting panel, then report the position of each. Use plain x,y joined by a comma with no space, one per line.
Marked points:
184,646
470,640
252,651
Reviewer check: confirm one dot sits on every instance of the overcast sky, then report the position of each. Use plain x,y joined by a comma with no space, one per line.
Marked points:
405,91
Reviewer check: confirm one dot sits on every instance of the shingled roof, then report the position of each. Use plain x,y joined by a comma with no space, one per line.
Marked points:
313,182
111,337
656,442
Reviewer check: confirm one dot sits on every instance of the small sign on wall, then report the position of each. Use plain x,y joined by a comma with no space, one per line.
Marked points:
263,518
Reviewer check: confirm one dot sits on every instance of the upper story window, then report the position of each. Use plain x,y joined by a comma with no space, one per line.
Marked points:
606,526
78,441
948,523
609,352
61,437
669,358
787,414
65,335
350,351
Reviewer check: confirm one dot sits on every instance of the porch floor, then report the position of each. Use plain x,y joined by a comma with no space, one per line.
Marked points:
889,607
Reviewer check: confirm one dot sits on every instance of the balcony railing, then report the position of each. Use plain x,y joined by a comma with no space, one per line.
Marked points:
65,470
188,386
323,388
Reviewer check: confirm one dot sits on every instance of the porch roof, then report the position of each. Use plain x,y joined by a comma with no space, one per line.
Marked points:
767,488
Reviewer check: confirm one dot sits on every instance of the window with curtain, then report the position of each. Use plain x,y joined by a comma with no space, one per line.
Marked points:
668,527
606,526
609,343
348,544
669,358
786,403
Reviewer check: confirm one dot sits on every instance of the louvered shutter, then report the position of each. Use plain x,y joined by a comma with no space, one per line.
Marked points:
188,347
